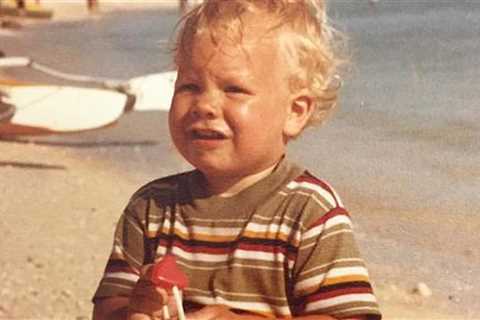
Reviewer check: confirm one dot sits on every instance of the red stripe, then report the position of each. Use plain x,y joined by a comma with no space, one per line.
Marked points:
308,177
330,214
242,246
201,249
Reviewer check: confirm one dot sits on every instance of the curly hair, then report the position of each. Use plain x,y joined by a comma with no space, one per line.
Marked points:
313,47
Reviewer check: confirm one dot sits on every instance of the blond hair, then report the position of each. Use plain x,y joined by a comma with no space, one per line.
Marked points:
307,37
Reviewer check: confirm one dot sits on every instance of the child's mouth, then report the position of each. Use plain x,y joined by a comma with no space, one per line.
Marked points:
207,134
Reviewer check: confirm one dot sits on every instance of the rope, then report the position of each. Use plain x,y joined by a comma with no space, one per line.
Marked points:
109,83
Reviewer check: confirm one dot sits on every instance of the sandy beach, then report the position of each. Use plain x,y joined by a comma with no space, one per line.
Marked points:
57,195
409,179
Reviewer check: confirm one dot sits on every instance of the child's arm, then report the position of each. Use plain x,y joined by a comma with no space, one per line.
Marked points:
114,308
219,312
145,301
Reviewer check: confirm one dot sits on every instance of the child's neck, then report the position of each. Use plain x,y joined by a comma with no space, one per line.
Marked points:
229,186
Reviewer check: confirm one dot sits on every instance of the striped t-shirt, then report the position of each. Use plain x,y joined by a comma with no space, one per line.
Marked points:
281,248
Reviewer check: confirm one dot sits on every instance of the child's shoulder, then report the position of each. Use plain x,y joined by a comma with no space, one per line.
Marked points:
308,184
164,187
317,201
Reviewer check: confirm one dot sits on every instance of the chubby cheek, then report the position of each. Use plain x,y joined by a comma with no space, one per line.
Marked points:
242,117
256,122
176,126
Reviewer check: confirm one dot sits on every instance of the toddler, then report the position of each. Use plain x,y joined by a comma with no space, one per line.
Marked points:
257,235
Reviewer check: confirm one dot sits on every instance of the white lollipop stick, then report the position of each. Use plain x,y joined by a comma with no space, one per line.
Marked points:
166,313
178,301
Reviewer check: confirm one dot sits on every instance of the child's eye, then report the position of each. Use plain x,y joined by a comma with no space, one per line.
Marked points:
236,89
190,87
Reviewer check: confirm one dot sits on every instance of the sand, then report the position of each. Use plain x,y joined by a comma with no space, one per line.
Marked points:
59,207
56,192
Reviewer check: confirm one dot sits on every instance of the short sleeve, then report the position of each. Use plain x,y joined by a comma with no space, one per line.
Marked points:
127,255
330,276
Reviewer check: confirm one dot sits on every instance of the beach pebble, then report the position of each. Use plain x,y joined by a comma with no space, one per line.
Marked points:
423,290
66,293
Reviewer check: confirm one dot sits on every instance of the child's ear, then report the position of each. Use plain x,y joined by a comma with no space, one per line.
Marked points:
298,114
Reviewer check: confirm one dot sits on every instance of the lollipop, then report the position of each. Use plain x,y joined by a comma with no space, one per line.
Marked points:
167,274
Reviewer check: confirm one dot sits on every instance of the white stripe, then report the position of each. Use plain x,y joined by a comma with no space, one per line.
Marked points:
200,257
153,227
264,256
336,220
325,265
213,231
312,233
347,271
307,185
267,218
310,282
220,231
257,216
306,194
337,197
118,249
322,304
161,250
237,253
330,223
167,225
259,255
274,227
122,275
216,258
282,218
216,220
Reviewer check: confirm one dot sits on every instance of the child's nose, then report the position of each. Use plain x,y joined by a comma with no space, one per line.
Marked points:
206,105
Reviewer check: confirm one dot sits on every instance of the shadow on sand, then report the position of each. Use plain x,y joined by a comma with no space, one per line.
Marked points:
31,165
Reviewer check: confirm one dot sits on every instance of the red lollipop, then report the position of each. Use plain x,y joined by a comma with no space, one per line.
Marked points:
167,274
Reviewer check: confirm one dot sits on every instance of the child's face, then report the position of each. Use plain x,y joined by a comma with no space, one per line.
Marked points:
230,106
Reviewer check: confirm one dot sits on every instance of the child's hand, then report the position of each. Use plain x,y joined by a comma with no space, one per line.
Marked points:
147,300
219,312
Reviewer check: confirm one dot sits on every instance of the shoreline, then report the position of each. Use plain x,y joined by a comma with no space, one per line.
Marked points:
76,10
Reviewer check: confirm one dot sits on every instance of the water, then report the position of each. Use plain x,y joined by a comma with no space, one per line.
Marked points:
120,45
409,106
